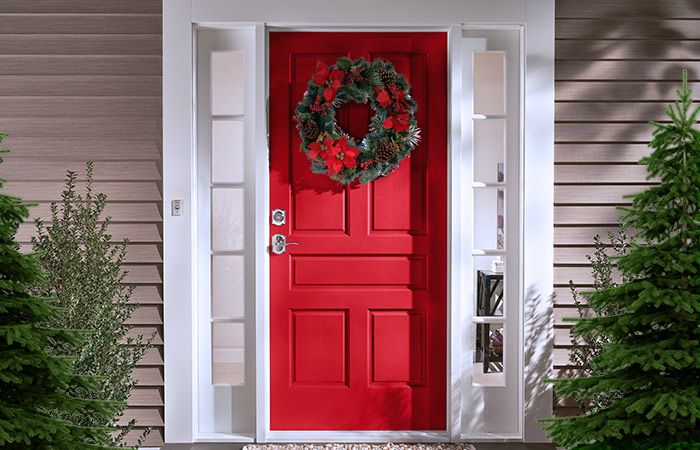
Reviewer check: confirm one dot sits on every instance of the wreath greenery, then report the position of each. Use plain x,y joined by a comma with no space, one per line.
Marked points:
393,131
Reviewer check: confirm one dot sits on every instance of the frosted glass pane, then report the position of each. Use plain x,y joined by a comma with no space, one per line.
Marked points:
227,286
489,219
227,219
489,83
227,82
228,353
489,150
227,151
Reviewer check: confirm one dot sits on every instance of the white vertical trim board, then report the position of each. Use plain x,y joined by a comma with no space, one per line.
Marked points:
537,261
184,390
179,233
455,222
262,257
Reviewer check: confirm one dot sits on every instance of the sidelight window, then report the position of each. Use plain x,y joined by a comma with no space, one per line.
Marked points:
490,300
225,305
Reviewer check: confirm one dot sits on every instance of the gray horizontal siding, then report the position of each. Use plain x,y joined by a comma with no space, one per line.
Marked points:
618,65
81,80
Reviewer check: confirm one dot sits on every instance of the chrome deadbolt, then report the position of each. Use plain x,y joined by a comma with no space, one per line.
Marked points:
279,217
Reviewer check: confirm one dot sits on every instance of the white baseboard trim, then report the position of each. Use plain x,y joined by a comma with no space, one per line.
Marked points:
356,436
227,438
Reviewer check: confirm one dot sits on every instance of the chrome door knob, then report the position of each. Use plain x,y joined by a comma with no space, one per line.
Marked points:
279,244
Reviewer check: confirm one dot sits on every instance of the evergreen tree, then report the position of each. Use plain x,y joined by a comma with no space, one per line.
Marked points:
650,364
34,380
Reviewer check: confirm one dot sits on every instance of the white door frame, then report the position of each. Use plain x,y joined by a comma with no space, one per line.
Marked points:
179,182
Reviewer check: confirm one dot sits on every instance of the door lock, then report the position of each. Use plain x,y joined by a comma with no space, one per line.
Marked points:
279,244
279,217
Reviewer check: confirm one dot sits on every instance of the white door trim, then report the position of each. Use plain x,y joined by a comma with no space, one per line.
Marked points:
179,233
262,219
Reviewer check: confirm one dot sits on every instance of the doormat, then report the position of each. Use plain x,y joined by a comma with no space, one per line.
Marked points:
359,447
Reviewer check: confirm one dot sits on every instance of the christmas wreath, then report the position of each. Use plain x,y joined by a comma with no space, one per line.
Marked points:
393,131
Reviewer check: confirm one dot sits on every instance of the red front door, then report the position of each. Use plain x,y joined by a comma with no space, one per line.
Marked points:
358,309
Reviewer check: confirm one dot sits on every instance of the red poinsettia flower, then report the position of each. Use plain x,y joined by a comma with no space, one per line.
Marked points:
340,155
329,94
319,149
399,96
321,75
336,77
401,122
349,153
398,122
334,165
315,149
400,104
383,97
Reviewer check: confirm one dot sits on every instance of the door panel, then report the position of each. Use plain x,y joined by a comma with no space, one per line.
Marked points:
358,309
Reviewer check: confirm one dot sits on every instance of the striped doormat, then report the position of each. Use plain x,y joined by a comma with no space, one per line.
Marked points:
359,447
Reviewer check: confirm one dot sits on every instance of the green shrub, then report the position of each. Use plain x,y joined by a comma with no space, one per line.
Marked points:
587,346
86,275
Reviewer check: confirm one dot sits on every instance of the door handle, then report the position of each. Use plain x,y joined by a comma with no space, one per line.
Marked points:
279,244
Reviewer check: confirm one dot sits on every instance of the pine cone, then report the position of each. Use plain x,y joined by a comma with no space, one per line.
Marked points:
310,130
355,74
385,152
387,76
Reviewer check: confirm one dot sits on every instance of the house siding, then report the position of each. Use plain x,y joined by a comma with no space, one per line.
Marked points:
618,64
81,80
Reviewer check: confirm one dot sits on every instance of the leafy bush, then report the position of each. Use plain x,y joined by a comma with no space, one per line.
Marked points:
85,274
587,346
